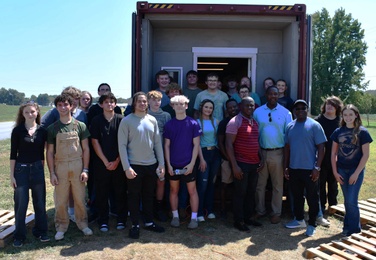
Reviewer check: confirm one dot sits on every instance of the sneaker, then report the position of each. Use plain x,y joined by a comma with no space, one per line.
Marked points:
322,222
200,219
155,228
175,222
87,231
252,222
59,235
193,224
134,232
211,216
103,228
17,243
296,224
120,226
44,238
241,227
72,218
311,230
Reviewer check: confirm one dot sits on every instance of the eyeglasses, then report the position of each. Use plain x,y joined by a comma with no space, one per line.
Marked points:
244,92
270,117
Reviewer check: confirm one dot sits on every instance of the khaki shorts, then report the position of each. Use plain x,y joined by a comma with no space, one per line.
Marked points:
226,172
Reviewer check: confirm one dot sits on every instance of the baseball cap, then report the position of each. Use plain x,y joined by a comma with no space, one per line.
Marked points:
300,101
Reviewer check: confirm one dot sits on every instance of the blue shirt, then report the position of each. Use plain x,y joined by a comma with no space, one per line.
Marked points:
272,128
209,133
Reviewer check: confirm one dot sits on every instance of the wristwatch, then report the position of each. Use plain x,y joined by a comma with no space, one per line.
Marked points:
318,168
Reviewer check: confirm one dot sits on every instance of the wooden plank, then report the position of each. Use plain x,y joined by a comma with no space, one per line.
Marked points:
8,227
364,245
371,210
371,234
339,252
363,238
6,217
353,249
366,203
314,252
373,200
10,230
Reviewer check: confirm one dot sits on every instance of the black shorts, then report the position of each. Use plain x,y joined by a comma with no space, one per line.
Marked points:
185,178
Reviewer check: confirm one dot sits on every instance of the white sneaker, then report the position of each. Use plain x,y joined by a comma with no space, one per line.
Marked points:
200,219
211,216
59,235
87,231
322,222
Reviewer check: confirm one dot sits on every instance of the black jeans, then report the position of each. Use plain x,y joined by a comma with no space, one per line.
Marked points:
30,176
300,180
327,177
106,182
142,187
244,192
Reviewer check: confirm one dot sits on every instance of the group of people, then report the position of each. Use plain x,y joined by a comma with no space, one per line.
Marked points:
170,147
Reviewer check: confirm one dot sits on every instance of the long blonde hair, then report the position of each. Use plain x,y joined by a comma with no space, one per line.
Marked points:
357,122
21,119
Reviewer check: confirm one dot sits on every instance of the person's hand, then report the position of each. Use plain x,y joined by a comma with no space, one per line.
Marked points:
53,179
161,172
261,165
338,177
84,177
202,166
286,173
170,170
315,175
130,173
353,179
13,182
238,173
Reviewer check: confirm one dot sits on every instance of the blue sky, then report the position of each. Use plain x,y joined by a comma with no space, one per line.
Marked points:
48,45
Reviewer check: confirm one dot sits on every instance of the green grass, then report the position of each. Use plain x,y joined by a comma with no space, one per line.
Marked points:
9,113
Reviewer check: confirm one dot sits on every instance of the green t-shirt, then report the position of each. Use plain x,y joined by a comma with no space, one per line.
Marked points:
58,126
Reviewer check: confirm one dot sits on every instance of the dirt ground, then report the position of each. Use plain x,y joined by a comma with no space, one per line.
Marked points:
215,239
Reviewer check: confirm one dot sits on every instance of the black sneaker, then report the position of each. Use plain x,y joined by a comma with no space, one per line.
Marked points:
134,232
17,243
44,238
161,216
241,227
155,228
251,222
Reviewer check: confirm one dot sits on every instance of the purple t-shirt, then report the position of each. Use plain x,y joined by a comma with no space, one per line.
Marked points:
181,134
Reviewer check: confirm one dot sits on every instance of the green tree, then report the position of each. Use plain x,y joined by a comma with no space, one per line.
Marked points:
43,99
338,56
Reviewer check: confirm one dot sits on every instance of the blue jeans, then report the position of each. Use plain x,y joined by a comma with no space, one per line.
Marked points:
30,176
205,180
350,193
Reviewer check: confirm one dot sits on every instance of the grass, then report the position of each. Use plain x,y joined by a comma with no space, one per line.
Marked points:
9,113
215,239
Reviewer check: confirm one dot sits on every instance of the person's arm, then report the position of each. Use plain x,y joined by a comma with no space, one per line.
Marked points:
13,182
167,156
221,146
196,148
98,150
85,158
123,152
333,159
51,164
230,139
361,165
320,156
286,161
203,164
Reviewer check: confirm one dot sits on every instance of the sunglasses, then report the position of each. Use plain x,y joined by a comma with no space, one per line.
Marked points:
270,117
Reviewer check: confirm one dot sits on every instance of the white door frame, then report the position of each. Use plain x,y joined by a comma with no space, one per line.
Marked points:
215,52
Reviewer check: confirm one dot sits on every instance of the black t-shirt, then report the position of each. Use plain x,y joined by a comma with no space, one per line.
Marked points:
107,134
329,125
26,148
95,110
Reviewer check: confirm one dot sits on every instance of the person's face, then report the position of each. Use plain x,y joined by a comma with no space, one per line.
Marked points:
173,92
211,82
243,92
232,84
245,81
85,100
330,108
179,107
64,108
155,103
232,108
219,85
247,106
300,112
75,103
109,105
163,81
268,83
349,117
281,86
272,97
103,89
30,113
141,104
207,109
192,79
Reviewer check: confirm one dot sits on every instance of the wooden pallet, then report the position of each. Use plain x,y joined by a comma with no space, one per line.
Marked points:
367,211
356,246
7,222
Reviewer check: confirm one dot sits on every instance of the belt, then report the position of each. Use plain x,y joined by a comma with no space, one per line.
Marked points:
209,148
272,149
